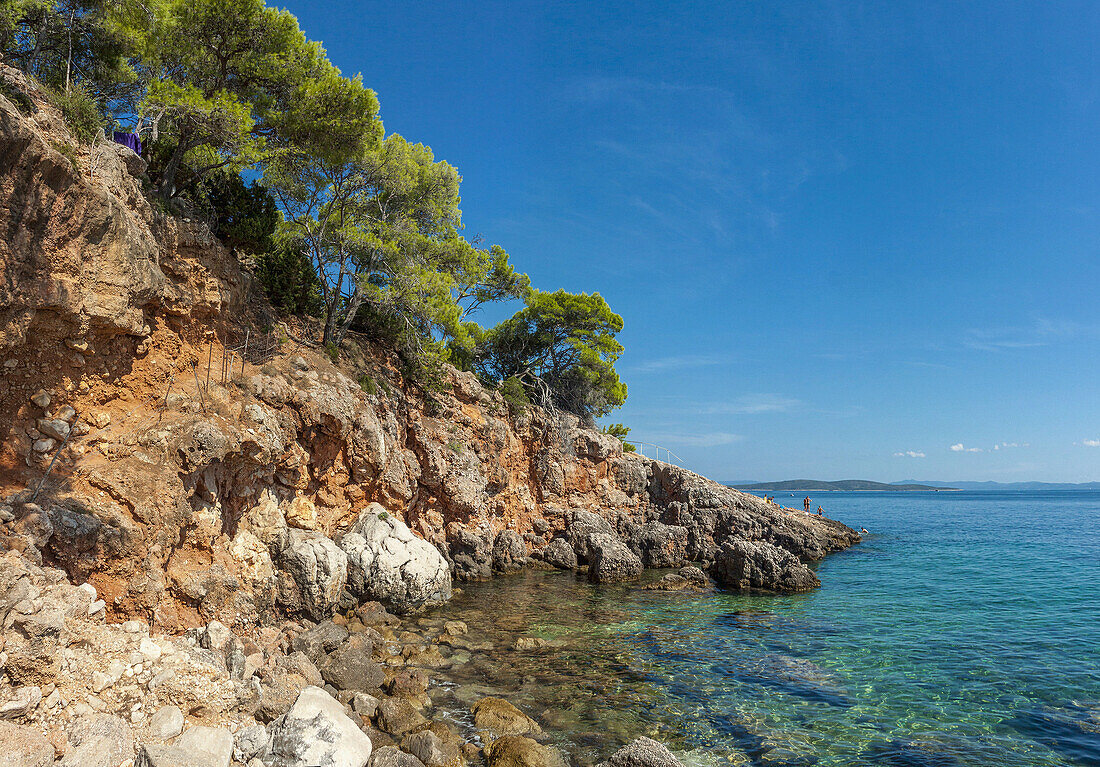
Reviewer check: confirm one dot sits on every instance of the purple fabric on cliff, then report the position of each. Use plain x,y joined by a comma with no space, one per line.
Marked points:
128,139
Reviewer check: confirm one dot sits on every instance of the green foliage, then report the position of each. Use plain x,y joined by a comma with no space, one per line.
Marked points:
455,447
242,215
619,431
368,384
64,43
68,152
513,392
333,352
383,515
289,280
81,113
562,347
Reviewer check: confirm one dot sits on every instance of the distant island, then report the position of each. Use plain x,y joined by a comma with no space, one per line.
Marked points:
819,485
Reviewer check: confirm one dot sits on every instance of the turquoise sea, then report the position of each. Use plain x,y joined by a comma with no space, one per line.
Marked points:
964,630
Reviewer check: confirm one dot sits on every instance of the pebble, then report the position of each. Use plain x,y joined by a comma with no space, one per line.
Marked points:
132,627
41,398
149,649
89,589
96,607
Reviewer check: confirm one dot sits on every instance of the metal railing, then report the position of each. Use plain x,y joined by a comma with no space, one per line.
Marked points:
669,455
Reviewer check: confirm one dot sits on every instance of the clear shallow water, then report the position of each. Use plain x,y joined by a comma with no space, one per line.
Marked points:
964,630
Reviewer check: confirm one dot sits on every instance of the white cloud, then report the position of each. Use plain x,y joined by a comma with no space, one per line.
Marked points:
1091,443
960,448
1006,445
682,362
753,404
702,439
910,454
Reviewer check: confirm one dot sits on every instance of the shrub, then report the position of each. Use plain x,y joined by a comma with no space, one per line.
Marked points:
368,384
80,111
289,281
514,393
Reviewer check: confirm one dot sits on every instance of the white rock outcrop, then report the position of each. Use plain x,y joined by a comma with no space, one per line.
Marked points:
388,563
317,733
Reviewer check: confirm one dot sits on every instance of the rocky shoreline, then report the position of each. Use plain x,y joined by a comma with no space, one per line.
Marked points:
350,690
203,570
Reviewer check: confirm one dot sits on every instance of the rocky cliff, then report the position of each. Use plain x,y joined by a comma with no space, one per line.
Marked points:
185,494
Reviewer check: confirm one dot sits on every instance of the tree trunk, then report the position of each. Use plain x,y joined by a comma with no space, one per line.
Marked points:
168,180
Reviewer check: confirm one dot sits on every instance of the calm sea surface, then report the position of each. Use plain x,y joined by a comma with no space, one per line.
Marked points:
964,630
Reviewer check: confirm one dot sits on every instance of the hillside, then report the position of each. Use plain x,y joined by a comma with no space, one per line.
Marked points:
844,485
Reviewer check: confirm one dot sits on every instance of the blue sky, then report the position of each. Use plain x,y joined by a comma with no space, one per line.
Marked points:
848,240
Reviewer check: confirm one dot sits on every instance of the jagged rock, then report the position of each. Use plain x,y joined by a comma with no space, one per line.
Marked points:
248,742
41,398
319,568
24,746
197,747
166,723
98,740
581,525
349,667
611,560
558,553
54,427
509,552
317,733
22,702
471,554
758,565
397,716
496,717
323,638
392,756
643,752
688,578
390,564
659,545
520,751
431,749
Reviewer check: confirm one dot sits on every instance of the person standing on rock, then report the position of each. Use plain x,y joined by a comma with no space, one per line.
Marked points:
820,511
806,504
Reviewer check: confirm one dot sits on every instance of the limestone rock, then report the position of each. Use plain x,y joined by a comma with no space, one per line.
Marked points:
166,723
582,524
197,747
319,568
317,733
98,740
509,552
392,756
390,564
397,716
558,553
611,560
22,702
350,666
743,564
24,746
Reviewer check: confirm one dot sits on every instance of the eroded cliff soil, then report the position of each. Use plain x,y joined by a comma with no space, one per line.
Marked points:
184,501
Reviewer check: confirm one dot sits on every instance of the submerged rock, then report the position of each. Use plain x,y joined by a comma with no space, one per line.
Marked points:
743,564
390,564
519,751
687,579
643,752
496,717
